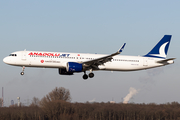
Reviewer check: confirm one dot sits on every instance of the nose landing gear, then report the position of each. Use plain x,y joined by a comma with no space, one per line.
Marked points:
22,73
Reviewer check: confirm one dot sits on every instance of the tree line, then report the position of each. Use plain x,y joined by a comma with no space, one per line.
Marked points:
57,106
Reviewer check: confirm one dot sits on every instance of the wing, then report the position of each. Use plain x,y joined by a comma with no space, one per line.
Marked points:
93,64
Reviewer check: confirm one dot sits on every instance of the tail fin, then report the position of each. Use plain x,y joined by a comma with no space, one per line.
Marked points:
161,48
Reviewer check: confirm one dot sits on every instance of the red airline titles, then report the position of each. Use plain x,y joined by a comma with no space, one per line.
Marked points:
44,54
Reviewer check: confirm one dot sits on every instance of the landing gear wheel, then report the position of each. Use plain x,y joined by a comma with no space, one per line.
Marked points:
85,76
22,73
91,75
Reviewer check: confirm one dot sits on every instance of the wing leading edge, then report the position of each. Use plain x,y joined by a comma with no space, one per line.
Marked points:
93,64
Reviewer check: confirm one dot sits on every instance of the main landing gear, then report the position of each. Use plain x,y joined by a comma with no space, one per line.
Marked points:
91,75
85,76
22,73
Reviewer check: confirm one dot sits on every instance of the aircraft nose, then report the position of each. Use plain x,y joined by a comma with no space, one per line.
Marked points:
6,60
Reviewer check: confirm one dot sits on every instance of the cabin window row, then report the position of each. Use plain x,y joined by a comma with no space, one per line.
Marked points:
52,56
61,57
77,58
126,60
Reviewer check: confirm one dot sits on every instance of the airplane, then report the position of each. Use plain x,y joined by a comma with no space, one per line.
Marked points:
70,63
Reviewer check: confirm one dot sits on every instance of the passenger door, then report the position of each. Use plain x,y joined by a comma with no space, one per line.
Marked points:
24,55
145,62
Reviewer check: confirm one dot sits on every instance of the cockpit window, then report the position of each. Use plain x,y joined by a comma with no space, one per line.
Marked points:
12,55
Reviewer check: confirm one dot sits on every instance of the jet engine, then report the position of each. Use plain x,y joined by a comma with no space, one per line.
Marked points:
71,67
74,67
63,71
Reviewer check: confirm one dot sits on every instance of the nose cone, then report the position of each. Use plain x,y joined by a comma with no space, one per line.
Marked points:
6,60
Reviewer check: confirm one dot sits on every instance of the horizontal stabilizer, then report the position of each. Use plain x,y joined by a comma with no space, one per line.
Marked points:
167,61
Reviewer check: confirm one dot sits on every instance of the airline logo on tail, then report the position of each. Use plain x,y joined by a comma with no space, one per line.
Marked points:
161,49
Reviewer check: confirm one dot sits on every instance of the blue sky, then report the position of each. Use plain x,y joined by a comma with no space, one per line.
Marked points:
90,27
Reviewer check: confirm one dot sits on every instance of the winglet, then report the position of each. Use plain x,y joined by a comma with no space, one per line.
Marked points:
121,49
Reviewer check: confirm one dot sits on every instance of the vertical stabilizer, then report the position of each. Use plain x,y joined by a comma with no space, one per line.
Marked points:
161,48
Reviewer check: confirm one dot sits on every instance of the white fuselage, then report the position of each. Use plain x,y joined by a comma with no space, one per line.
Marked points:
60,60
70,63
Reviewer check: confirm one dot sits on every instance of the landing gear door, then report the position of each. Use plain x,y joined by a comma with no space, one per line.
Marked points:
24,55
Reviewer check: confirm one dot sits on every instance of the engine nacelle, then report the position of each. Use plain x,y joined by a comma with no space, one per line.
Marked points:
74,67
63,71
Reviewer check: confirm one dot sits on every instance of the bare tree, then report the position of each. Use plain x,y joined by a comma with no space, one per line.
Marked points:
60,94
35,102
57,94
56,103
